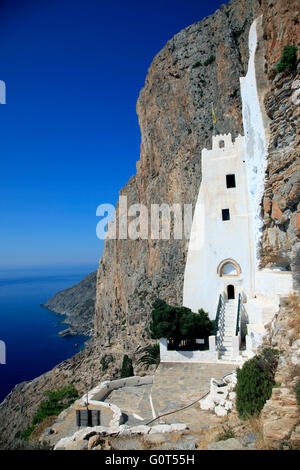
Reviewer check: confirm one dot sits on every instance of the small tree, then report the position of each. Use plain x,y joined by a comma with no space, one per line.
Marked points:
178,323
288,59
127,369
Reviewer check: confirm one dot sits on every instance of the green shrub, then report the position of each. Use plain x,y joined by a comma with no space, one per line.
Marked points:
127,369
288,59
197,64
297,391
57,401
255,381
151,355
26,434
103,364
210,60
227,433
105,361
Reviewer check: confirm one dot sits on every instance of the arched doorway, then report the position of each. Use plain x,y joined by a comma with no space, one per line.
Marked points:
230,292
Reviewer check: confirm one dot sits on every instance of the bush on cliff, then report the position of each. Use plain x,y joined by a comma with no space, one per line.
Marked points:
255,381
151,356
297,391
288,60
127,369
58,401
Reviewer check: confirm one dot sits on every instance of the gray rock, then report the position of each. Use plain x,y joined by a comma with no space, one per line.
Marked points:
229,444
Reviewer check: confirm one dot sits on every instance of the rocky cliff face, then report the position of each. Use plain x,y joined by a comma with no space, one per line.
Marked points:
201,65
281,209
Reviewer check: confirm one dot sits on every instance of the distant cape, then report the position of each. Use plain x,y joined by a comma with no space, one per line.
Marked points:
78,304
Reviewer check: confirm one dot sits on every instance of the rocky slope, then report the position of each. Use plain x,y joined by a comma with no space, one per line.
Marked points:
78,304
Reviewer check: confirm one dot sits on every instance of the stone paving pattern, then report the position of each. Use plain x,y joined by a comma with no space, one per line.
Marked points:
132,400
177,385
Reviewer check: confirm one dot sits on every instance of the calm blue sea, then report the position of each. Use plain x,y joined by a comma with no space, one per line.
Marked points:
29,330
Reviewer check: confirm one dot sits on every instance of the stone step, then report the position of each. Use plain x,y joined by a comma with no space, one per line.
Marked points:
226,354
224,349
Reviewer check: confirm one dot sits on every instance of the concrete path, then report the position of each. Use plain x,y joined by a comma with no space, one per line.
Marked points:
133,401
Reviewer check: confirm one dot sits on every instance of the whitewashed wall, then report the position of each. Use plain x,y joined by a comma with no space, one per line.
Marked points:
212,239
255,141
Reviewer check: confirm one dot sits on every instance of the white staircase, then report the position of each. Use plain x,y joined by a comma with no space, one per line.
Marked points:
227,329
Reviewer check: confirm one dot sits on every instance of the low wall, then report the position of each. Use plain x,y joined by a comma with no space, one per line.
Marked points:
210,355
190,356
100,392
272,283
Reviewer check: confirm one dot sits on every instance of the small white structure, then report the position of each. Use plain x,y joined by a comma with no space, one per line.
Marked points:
222,274
221,396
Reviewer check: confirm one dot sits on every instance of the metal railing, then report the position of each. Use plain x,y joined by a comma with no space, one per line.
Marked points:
238,316
216,324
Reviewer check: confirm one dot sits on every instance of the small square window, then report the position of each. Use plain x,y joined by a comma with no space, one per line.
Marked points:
230,181
225,214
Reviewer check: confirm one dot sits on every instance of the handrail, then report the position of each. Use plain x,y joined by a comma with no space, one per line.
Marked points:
238,316
216,323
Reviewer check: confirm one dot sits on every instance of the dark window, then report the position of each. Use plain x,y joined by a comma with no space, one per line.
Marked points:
225,214
230,181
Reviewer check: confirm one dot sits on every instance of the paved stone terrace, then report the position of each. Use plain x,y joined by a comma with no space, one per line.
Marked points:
133,400
178,384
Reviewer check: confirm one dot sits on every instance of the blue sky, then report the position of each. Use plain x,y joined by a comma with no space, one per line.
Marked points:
69,135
